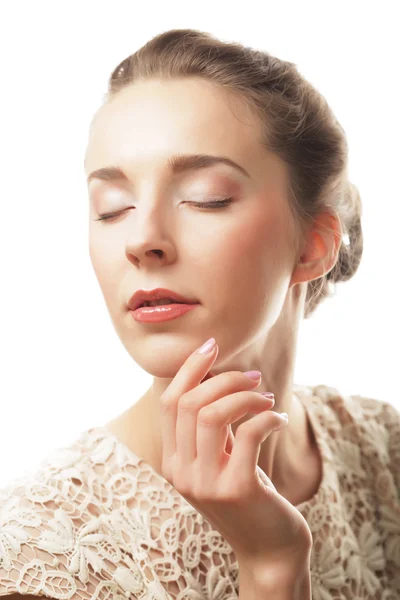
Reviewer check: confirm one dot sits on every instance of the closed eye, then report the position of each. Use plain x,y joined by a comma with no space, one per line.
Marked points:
211,204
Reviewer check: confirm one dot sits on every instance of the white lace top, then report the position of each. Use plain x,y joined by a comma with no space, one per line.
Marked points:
95,521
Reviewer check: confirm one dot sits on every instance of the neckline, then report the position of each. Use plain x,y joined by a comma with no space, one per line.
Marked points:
318,431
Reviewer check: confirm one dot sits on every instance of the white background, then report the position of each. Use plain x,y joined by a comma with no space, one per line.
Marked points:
63,368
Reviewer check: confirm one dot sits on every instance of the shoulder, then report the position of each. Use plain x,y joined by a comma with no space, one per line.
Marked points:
27,519
62,528
362,412
378,422
361,429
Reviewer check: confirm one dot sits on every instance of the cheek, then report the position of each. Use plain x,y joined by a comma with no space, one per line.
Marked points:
252,244
248,261
236,259
100,260
105,262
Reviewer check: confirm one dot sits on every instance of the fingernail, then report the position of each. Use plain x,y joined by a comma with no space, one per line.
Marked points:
256,375
207,346
284,416
268,395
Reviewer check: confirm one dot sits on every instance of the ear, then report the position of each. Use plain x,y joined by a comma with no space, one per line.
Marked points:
319,255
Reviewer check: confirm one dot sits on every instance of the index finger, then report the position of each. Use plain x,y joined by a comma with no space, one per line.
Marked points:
193,371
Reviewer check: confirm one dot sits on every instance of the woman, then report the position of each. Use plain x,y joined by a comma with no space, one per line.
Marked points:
219,173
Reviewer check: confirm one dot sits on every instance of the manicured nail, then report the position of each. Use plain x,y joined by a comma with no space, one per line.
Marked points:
207,347
256,375
269,396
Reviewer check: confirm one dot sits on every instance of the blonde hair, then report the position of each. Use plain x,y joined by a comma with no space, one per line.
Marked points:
296,123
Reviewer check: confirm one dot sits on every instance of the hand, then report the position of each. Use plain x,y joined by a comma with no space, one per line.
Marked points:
217,473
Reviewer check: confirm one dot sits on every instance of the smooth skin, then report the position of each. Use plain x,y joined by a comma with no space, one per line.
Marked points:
238,262
217,474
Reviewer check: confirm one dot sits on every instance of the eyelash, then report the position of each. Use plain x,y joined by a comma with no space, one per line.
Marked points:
211,204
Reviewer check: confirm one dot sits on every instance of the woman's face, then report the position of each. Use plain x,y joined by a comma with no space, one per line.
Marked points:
236,261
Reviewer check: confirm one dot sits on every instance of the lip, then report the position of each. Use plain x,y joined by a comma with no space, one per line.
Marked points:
141,296
160,314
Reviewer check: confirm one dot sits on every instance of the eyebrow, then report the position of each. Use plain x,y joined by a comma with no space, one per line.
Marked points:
176,164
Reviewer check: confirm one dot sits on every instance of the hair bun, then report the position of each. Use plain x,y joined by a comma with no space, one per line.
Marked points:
351,250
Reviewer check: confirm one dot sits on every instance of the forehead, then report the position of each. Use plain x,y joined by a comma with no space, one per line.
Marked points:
152,120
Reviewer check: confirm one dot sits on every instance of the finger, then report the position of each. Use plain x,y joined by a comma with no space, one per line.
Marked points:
193,370
208,376
248,439
265,480
193,401
212,427
229,440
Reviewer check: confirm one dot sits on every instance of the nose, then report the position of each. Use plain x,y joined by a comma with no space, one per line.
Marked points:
151,235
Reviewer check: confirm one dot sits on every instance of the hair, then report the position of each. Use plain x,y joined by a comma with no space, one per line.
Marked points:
296,123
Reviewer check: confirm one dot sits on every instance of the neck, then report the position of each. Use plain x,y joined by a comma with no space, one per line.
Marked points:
274,355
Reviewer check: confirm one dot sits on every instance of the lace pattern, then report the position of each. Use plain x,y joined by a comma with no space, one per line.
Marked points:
96,521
